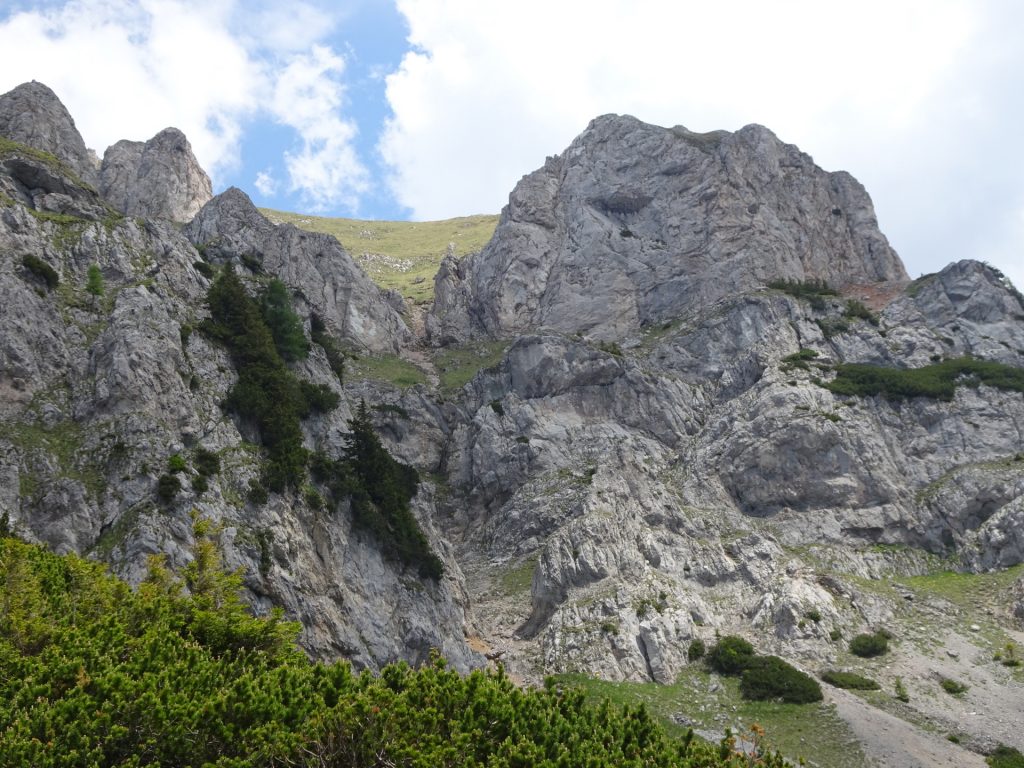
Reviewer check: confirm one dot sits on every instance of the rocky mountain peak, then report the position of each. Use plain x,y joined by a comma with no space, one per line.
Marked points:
32,114
635,224
323,274
160,178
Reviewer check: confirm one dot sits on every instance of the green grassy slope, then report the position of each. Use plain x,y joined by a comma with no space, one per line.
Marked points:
403,255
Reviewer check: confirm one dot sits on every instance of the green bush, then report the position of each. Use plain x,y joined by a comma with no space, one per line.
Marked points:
380,490
953,687
1005,757
391,409
610,348
176,463
868,645
799,359
730,655
938,381
696,650
855,310
41,269
849,680
812,290
167,487
318,398
207,463
93,673
206,270
900,691
769,677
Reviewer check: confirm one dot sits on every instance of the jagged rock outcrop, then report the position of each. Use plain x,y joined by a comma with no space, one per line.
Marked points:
98,391
31,114
159,179
323,275
653,485
635,224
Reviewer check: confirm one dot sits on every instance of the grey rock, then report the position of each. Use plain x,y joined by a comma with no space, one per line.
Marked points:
97,393
32,114
645,465
158,179
323,276
635,225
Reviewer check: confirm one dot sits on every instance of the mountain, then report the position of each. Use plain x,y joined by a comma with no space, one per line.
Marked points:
686,390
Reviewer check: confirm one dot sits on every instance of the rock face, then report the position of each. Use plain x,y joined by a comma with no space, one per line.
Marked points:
644,486
32,114
655,456
158,179
634,225
322,274
97,392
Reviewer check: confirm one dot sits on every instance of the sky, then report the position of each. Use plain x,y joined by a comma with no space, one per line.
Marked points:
428,109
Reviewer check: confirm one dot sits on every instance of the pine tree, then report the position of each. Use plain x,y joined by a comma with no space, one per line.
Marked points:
94,282
284,324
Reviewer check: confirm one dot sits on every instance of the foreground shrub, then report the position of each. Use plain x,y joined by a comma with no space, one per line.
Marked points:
868,645
94,674
769,677
901,691
730,655
849,680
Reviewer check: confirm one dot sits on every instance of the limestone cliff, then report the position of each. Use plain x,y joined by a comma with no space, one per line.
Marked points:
634,225
661,453
97,392
32,114
159,179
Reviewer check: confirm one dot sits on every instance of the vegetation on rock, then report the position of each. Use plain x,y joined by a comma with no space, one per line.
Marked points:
403,255
849,680
267,393
938,381
379,489
769,677
868,645
761,677
1005,757
730,655
41,269
813,290
284,324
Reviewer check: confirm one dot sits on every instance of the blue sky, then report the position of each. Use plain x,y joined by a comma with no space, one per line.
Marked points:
428,109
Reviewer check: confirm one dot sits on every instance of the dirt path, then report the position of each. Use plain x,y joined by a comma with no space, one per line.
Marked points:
893,743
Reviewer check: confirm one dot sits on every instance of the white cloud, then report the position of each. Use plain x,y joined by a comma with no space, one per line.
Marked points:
265,183
129,68
896,93
308,95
